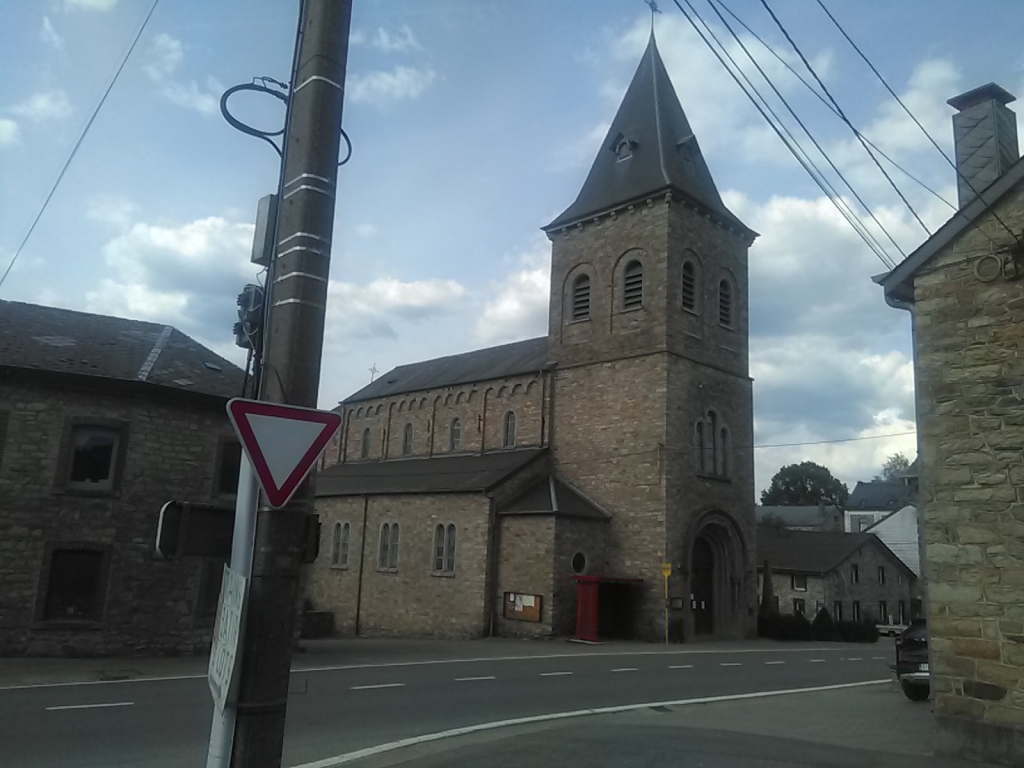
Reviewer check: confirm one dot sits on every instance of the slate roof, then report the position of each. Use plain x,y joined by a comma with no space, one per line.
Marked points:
437,474
893,495
665,153
512,359
552,496
809,551
41,338
801,517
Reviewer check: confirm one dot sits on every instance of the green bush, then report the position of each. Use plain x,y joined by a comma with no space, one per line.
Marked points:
857,632
778,627
823,628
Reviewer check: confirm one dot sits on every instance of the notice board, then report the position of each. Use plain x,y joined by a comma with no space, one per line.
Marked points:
521,607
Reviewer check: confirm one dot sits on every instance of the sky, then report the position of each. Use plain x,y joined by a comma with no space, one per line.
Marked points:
473,124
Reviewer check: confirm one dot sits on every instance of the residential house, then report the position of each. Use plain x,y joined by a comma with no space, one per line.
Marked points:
822,517
870,502
102,421
899,531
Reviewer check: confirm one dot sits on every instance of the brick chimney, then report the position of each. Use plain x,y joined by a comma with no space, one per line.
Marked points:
985,138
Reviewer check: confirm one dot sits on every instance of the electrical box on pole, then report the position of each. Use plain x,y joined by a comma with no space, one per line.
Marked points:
263,237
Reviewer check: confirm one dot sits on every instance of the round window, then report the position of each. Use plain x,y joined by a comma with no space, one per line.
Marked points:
579,562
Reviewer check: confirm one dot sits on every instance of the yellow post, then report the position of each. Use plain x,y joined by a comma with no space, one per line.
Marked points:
666,571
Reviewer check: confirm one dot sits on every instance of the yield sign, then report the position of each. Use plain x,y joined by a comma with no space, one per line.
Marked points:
282,442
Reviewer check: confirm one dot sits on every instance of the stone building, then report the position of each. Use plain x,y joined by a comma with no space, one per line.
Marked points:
963,289
466,493
871,502
102,420
854,575
822,517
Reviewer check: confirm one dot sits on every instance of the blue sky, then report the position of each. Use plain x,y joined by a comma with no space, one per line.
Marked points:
474,124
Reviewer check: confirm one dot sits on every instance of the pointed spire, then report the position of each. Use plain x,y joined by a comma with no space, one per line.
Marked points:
649,149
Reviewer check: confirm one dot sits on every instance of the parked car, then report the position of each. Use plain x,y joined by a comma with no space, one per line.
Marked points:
912,661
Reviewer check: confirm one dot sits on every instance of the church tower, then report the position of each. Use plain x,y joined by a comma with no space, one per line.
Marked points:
652,413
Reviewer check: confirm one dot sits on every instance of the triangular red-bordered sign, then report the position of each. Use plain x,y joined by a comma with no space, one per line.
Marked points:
282,442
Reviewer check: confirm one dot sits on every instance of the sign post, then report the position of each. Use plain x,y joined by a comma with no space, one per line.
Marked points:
666,571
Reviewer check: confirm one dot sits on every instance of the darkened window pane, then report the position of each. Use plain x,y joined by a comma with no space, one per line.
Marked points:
725,303
581,298
449,559
438,547
74,585
230,462
633,286
93,450
393,552
689,287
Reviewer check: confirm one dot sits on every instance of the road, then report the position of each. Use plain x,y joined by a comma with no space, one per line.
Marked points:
338,708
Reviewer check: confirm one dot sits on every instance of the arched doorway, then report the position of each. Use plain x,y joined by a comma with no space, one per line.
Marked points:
717,571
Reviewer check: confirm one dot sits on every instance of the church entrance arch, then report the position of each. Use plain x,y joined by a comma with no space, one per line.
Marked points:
715,553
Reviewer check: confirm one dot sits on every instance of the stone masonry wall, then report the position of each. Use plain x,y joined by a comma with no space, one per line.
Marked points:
572,535
526,565
150,605
969,346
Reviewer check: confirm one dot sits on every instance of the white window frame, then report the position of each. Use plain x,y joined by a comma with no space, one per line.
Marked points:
387,548
340,542
442,555
795,583
455,436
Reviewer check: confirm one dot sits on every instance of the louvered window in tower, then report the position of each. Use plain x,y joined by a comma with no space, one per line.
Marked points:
581,298
633,286
725,303
689,287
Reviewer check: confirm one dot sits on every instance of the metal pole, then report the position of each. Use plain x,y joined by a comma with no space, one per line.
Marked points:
222,730
293,345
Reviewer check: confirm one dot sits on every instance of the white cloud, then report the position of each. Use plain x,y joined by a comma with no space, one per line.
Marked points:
49,35
165,54
45,105
519,309
370,310
390,42
110,209
91,5
206,100
9,132
366,230
382,88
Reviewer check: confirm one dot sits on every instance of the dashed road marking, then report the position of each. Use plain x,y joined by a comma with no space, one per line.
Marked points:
626,669
92,706
775,662
554,674
470,679
855,658
379,685
817,661
731,664
680,666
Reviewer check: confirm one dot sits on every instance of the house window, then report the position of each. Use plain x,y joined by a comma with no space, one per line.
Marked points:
444,549
387,553
74,586
581,298
94,456
798,582
339,545
633,286
407,440
721,459
915,607
455,435
837,610
883,612
881,574
856,610
364,450
899,578
689,286
903,612
725,303
508,431
229,461
799,606
854,574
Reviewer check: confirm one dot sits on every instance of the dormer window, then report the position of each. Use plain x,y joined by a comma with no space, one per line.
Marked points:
623,148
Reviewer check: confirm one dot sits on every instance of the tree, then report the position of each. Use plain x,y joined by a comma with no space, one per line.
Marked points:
805,485
893,468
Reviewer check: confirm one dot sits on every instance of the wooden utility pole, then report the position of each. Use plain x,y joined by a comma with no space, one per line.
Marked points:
293,344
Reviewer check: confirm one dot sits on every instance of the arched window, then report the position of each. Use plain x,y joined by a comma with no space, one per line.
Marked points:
508,431
725,308
722,460
336,545
387,553
455,435
689,292
633,286
364,450
339,545
698,445
407,440
444,549
710,433
581,298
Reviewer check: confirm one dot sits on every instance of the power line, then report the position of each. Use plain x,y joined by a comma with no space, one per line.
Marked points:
825,101
914,118
78,143
779,127
842,115
843,440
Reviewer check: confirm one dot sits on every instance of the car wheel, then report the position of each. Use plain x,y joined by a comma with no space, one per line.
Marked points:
915,691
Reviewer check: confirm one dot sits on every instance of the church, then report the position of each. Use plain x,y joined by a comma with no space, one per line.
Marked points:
597,481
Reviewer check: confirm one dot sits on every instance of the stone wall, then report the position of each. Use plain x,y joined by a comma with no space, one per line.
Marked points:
526,565
572,536
968,329
171,452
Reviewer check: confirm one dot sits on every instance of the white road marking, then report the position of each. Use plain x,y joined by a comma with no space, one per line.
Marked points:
379,685
92,706
878,657
775,662
468,679
626,669
680,666
349,757
855,658
431,662
554,674
731,664
817,661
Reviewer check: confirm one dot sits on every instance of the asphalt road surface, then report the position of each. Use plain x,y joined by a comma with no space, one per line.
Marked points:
339,709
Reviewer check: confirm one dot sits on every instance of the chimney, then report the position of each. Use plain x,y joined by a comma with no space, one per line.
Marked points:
985,138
